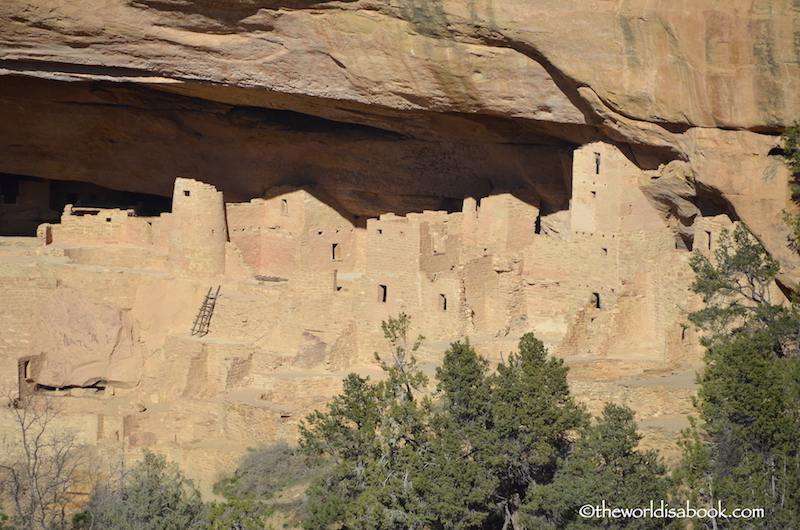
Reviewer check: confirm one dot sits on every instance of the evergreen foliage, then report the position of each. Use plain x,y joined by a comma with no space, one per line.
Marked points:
604,466
481,460
534,419
154,496
236,514
379,439
746,452
791,154
735,287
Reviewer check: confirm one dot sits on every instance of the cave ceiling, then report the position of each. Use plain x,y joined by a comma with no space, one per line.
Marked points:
401,105
138,137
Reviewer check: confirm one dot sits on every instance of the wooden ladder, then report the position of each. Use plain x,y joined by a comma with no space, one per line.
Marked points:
203,317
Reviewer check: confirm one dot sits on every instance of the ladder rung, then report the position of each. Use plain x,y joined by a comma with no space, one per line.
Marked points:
203,318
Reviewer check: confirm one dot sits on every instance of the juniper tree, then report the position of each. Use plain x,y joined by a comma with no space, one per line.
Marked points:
403,465
605,465
154,495
378,437
736,288
745,451
534,422
515,423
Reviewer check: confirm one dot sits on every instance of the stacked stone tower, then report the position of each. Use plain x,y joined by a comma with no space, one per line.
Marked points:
199,231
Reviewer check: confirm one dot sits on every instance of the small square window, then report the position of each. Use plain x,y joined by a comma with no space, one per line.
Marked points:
187,193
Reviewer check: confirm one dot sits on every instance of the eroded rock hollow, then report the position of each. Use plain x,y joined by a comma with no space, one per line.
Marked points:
397,106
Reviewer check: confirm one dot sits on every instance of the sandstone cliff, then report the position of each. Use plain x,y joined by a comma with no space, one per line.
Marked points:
401,105
497,114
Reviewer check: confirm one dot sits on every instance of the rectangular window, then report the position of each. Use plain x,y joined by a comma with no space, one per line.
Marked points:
336,252
443,302
382,291
187,193
597,163
284,207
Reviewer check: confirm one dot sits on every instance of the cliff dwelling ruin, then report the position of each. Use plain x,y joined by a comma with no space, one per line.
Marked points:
108,300
488,171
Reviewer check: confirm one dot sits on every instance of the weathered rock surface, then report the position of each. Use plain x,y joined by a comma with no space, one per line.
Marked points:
384,106
399,105
673,193
730,64
83,344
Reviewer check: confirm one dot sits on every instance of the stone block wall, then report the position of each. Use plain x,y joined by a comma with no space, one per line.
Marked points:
332,248
24,295
198,230
506,222
707,231
393,267
112,226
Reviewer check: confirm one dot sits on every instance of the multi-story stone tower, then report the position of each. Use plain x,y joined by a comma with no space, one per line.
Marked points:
199,231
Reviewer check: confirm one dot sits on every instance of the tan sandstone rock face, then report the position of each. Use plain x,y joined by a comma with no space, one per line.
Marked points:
421,100
82,343
592,124
711,64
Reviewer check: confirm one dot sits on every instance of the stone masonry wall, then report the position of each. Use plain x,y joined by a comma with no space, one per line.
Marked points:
199,231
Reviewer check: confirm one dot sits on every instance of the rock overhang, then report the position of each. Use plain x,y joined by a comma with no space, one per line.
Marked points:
419,102
138,137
